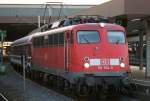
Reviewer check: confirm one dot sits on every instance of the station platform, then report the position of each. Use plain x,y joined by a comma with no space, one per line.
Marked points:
142,83
11,86
138,74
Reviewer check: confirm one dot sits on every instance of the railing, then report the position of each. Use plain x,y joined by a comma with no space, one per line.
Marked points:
136,61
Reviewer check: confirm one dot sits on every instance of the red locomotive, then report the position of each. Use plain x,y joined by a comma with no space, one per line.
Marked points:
82,55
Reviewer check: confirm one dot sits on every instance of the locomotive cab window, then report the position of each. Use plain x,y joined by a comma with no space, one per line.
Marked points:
87,37
116,37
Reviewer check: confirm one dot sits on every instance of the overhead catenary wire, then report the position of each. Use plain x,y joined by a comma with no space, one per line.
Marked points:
50,4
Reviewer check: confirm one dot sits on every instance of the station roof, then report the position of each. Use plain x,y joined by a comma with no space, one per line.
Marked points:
27,13
132,9
38,9
19,19
120,7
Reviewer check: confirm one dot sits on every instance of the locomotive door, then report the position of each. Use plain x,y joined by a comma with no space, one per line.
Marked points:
66,50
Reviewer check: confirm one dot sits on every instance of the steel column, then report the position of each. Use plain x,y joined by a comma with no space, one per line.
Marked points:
147,28
141,49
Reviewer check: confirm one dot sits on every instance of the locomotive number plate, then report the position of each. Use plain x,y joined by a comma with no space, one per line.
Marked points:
114,62
104,62
94,62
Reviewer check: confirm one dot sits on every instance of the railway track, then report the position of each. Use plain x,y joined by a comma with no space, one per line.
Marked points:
111,96
2,97
142,87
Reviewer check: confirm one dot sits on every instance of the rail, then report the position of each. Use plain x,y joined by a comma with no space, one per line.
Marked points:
2,97
142,86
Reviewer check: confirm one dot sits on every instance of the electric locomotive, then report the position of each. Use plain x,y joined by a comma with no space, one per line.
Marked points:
79,56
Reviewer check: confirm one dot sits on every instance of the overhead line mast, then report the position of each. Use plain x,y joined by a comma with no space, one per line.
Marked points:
53,3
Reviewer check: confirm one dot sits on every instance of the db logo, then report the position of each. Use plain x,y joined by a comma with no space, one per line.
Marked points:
104,61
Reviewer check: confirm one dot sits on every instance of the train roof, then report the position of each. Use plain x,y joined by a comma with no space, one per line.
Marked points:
106,25
27,39
23,41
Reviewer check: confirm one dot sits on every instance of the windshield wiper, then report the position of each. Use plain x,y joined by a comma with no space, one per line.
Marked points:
87,41
117,42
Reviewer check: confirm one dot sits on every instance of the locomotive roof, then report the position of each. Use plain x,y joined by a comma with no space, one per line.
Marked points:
56,30
27,39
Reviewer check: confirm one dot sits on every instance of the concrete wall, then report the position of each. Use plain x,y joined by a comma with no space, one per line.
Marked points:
120,7
27,13
24,19
38,10
108,9
141,7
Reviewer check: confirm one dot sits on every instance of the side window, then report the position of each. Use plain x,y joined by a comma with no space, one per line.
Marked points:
41,41
71,37
61,38
55,39
50,40
35,42
38,41
46,41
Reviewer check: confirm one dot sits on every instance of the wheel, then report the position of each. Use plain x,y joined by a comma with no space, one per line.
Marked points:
82,90
67,87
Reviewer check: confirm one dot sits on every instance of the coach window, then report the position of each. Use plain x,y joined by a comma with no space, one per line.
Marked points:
116,37
87,37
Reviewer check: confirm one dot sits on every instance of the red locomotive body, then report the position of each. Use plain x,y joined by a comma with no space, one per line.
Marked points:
87,53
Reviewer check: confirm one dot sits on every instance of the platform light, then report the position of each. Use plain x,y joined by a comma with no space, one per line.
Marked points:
135,30
138,19
122,65
86,65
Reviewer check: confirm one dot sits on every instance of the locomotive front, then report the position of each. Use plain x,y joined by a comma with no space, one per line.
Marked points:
99,55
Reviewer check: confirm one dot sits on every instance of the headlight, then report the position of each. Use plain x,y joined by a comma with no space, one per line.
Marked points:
122,65
86,65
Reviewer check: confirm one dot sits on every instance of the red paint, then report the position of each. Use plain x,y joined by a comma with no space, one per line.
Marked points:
53,57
